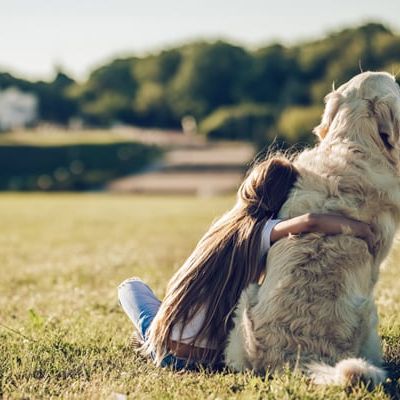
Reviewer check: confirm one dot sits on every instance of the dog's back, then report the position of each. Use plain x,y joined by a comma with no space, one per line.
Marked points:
315,304
315,309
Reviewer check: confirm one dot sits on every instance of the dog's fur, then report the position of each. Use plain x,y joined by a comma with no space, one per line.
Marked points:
315,309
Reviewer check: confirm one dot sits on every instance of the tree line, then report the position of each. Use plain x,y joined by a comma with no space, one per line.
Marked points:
231,91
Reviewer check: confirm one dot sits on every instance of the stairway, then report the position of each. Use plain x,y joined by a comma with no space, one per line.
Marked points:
201,168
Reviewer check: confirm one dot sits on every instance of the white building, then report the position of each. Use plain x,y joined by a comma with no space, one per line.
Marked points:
17,109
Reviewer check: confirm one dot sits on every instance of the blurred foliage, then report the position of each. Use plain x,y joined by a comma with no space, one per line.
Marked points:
295,123
70,166
209,80
244,121
210,75
107,95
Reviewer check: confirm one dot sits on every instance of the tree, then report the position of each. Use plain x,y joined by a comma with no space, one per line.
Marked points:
54,103
271,71
210,75
107,95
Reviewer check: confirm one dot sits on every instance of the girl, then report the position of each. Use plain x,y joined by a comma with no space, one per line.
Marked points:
190,327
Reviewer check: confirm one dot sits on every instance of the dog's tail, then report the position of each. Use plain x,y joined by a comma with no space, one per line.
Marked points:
251,342
349,372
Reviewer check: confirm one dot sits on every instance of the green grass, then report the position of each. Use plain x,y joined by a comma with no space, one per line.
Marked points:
61,259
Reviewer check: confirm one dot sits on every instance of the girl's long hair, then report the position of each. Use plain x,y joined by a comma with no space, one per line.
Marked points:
224,262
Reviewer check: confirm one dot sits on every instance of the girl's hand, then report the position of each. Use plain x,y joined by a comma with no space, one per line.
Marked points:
363,231
330,224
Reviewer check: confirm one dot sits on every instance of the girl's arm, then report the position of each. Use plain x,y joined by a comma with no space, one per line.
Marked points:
329,224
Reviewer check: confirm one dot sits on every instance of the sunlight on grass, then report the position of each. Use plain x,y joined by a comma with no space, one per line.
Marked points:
64,137
62,332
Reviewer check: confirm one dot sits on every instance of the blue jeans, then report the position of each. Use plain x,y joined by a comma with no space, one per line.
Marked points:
141,305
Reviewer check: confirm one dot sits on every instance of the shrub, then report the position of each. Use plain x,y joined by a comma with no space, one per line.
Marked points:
243,122
70,166
296,123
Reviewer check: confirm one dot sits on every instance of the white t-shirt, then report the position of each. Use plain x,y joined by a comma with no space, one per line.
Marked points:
192,327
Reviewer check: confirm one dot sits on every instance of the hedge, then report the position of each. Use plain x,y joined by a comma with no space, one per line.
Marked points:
80,166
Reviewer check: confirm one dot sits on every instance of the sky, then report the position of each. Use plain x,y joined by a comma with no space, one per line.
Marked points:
38,36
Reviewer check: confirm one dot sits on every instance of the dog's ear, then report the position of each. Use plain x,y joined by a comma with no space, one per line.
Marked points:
386,110
332,104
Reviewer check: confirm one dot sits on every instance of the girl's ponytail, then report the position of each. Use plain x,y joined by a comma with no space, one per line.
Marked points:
224,262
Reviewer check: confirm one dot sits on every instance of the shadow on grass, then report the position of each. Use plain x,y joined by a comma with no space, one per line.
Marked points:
392,387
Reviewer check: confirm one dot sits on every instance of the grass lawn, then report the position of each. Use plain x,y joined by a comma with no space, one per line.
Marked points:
62,332
62,137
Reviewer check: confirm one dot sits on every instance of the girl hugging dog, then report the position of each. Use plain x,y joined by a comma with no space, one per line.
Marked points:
189,328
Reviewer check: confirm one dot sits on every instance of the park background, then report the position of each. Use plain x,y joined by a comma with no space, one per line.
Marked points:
125,129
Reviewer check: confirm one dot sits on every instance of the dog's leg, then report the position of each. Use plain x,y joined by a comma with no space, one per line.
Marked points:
240,337
371,348
352,371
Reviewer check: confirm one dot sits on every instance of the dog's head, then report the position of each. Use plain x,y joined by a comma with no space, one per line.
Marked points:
366,109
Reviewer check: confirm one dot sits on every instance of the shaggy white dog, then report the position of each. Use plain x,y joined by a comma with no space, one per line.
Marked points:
315,310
